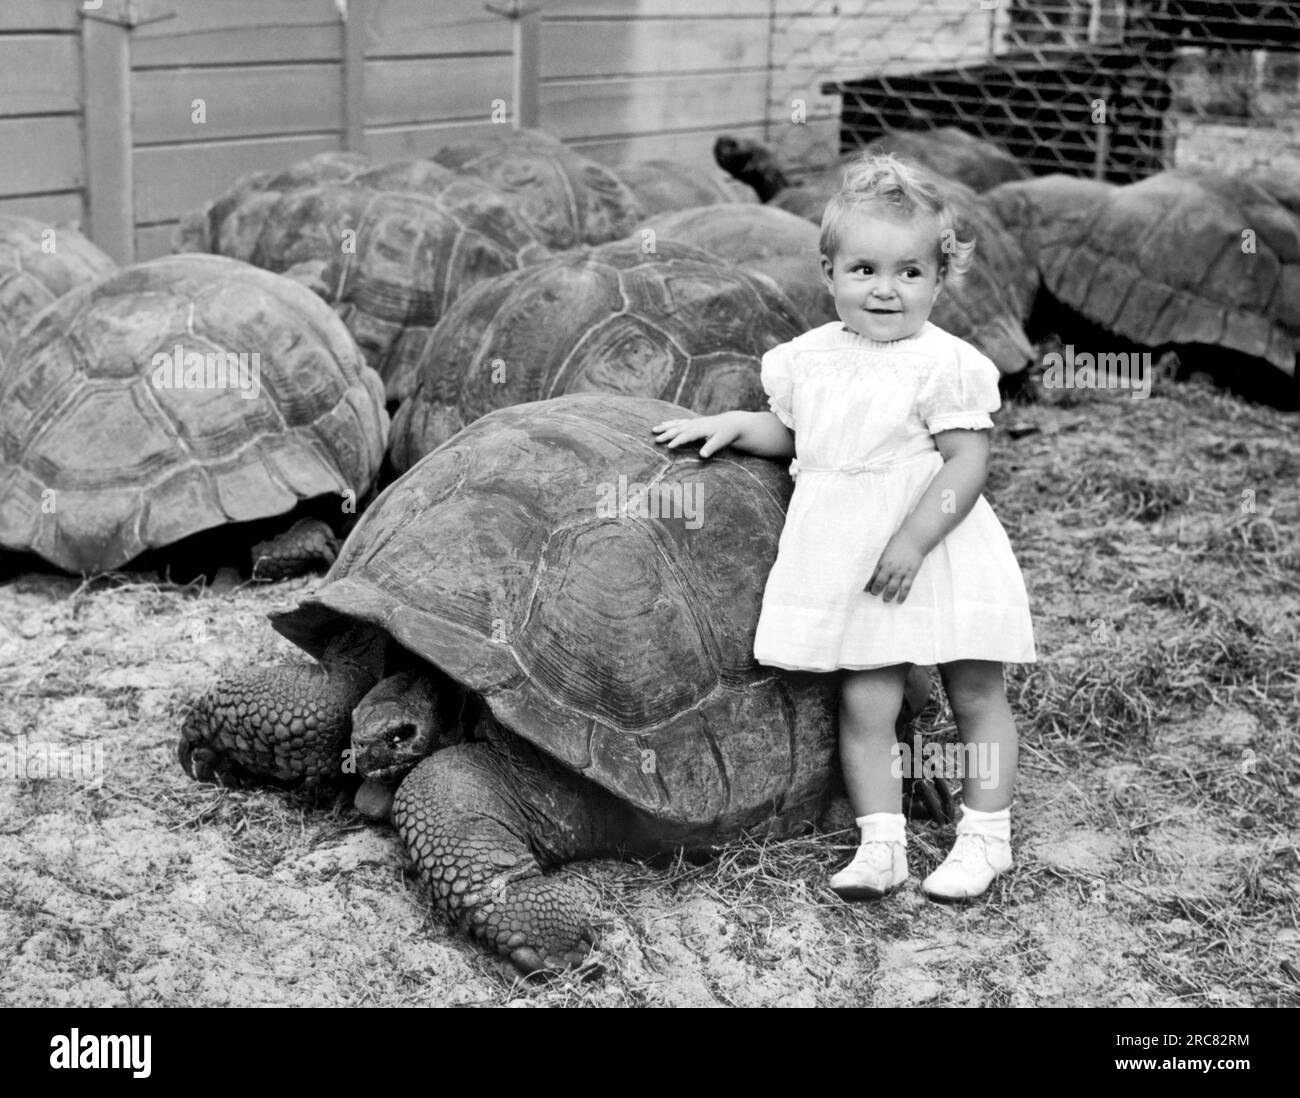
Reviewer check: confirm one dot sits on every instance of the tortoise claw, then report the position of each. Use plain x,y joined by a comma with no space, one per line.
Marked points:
947,801
530,962
935,797
207,764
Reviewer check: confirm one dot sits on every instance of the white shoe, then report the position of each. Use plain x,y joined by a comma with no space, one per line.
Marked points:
878,866
972,864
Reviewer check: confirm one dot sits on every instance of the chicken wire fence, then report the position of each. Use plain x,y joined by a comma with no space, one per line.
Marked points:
1098,88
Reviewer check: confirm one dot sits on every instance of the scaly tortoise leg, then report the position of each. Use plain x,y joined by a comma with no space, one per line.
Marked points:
479,819
309,545
288,725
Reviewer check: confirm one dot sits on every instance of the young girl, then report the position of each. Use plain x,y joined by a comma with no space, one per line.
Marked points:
890,556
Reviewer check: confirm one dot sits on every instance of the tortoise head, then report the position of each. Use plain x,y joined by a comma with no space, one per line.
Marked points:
751,163
400,721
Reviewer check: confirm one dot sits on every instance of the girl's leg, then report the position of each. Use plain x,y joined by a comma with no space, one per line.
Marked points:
870,702
983,848
869,705
984,721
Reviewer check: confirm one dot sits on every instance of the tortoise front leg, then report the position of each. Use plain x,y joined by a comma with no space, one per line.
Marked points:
280,724
309,545
476,817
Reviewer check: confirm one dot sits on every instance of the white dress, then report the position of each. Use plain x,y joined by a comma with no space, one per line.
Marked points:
863,414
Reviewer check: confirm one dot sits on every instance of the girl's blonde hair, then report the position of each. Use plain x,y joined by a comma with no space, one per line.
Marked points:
882,179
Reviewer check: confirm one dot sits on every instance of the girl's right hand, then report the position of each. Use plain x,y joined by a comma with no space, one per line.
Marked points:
717,431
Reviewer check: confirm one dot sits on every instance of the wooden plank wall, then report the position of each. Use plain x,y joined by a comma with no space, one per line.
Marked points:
627,80
40,91
269,75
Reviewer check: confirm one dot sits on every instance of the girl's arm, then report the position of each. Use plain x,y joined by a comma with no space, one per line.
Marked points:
758,433
946,502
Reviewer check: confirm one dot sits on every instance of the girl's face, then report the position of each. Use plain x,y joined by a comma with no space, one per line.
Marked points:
885,275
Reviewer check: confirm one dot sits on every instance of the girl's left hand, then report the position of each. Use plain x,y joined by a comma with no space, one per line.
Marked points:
897,568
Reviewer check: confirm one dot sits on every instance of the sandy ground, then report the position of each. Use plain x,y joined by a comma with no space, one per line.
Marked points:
1156,826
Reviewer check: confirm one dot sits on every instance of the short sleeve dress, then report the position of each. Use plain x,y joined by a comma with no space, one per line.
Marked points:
863,414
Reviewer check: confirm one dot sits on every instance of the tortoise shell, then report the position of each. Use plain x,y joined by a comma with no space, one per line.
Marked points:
611,630
760,239
1045,210
33,276
1167,261
106,450
668,323
989,305
567,199
415,254
956,155
265,220
661,185
231,224
808,198
414,247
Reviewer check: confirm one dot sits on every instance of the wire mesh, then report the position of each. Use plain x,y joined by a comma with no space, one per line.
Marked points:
1099,88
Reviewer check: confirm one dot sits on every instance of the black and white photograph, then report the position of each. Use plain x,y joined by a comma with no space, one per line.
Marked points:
651,503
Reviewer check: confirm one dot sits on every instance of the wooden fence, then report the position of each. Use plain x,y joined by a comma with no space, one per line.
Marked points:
124,114
42,173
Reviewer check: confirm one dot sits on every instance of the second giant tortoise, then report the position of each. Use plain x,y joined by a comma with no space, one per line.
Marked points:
552,619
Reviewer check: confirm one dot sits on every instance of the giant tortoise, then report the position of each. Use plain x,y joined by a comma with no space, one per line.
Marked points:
178,396
39,263
638,317
415,253
231,223
389,247
552,619
1182,259
568,199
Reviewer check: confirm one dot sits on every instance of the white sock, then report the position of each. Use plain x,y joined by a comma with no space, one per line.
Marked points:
890,827
996,825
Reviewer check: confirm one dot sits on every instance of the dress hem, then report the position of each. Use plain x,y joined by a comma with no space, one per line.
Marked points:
926,662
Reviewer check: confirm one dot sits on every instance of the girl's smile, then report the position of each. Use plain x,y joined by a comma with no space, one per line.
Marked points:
885,276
